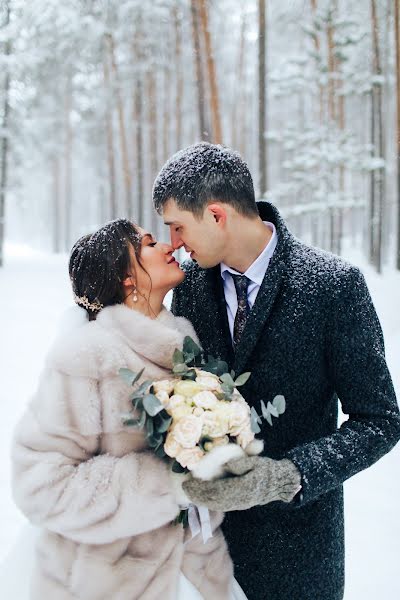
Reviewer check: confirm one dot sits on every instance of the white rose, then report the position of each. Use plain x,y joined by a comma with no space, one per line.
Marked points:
182,410
166,385
187,431
188,458
222,441
186,388
215,424
245,437
239,417
171,446
209,383
198,412
201,373
163,397
205,400
175,401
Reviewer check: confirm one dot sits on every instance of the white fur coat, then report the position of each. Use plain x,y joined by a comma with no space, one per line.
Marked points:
104,501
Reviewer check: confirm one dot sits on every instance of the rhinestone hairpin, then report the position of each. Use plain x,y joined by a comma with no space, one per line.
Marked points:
84,301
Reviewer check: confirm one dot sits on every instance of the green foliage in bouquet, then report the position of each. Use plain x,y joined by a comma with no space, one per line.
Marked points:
153,417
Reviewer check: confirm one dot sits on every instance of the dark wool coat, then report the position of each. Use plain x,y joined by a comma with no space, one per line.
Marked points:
313,336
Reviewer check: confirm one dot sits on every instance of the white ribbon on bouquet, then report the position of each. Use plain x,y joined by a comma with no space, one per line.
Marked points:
199,520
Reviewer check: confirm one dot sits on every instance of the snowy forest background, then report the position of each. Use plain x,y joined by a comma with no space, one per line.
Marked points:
96,94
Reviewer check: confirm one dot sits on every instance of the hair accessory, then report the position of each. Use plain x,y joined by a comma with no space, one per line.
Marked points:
84,301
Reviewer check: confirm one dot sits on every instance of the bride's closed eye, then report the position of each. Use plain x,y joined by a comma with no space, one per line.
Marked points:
153,244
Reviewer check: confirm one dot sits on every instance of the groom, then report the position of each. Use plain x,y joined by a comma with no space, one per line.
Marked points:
302,321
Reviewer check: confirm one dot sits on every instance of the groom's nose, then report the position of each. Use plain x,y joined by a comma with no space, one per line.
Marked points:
176,241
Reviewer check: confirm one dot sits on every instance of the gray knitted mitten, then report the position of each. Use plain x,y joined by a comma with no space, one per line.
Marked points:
253,481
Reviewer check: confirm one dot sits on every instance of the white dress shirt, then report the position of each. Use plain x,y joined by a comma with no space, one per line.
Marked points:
256,273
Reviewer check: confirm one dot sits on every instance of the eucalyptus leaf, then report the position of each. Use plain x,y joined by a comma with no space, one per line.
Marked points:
149,427
152,405
254,420
177,357
177,467
142,389
227,388
128,376
242,379
188,358
180,368
264,409
279,403
142,420
163,427
190,375
130,421
159,451
269,419
272,410
226,378
190,346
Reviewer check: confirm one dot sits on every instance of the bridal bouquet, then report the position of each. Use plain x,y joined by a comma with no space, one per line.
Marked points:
197,417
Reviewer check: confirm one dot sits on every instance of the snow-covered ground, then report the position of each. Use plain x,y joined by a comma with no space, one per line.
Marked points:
34,291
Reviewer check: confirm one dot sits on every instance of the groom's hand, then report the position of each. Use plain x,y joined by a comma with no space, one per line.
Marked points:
253,481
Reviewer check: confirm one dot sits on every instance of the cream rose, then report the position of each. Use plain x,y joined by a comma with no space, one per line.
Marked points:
245,437
239,417
188,458
187,388
206,400
171,446
182,410
209,383
187,431
175,401
166,385
163,397
222,441
215,424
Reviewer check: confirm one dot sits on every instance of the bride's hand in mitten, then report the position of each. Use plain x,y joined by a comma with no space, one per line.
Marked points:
177,480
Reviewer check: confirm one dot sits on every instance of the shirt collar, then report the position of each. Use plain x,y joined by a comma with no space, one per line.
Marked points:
256,271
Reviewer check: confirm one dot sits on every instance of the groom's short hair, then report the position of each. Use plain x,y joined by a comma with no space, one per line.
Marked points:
202,173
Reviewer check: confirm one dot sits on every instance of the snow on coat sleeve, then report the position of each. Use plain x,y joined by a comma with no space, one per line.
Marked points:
61,484
363,384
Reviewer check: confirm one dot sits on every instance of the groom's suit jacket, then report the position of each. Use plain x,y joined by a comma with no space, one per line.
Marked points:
312,336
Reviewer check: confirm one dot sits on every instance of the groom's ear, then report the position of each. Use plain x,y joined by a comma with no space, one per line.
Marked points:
218,213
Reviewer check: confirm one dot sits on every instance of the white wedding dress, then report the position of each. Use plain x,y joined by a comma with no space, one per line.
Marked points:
16,569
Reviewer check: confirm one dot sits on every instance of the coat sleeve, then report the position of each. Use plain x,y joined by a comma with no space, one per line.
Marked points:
363,384
62,484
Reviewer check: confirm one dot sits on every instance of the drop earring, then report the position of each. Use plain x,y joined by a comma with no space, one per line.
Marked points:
135,298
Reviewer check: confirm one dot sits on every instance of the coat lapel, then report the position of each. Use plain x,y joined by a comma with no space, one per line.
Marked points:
269,288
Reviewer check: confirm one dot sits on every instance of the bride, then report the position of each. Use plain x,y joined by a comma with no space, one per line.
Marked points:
101,504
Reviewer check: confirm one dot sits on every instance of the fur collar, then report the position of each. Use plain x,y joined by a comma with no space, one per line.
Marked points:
118,337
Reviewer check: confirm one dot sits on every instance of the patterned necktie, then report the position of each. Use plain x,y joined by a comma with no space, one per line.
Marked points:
241,284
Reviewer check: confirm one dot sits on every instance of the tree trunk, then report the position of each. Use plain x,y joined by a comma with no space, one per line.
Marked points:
238,106
123,138
68,165
212,78
179,78
378,175
4,139
153,137
263,181
56,206
112,204
317,45
397,42
204,134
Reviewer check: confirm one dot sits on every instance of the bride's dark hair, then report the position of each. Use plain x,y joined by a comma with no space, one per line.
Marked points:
100,261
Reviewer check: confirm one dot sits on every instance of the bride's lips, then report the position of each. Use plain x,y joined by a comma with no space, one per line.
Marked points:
172,261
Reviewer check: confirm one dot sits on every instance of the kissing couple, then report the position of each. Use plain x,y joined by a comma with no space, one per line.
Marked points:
299,319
